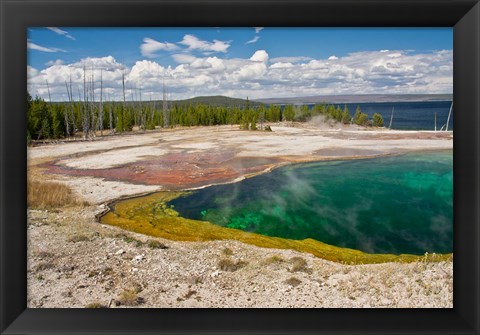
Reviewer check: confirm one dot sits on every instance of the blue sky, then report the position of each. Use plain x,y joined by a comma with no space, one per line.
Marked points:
240,62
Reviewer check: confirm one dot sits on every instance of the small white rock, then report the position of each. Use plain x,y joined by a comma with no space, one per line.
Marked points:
120,252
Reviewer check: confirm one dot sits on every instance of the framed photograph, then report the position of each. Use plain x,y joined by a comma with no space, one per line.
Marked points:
240,167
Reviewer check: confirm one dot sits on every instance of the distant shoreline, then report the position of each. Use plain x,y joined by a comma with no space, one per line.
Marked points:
363,98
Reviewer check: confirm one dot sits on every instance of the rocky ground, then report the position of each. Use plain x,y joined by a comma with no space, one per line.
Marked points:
74,261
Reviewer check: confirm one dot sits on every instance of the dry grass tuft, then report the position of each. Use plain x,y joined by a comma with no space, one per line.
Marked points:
78,238
44,266
293,281
275,259
229,265
154,244
227,252
44,254
49,195
299,264
95,305
130,297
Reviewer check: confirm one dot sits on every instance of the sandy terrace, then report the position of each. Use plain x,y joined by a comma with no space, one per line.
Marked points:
113,166
74,261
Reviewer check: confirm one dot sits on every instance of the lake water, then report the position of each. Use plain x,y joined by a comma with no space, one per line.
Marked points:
408,115
396,204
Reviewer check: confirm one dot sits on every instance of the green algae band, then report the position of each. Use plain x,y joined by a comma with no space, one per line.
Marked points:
398,204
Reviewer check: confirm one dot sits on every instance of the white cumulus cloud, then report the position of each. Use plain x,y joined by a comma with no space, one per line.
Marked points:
194,43
281,65
260,56
295,59
149,47
257,76
55,62
184,58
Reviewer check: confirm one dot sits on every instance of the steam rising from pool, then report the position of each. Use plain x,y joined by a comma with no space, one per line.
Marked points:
400,204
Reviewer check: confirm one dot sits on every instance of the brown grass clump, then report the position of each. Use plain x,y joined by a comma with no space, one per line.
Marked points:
299,265
229,265
95,305
293,281
227,252
275,259
44,254
130,239
130,297
49,195
78,238
154,244
44,266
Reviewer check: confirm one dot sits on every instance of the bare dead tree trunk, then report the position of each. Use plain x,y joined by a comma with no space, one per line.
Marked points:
123,88
165,107
136,117
72,107
67,126
110,116
449,114
85,106
48,89
153,111
123,85
101,103
142,112
93,118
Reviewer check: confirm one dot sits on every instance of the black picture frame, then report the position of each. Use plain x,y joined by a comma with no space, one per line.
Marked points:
16,16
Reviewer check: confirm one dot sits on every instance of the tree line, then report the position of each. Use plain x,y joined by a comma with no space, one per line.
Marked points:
54,120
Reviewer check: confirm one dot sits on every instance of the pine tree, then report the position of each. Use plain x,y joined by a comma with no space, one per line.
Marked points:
346,117
360,118
377,120
289,113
